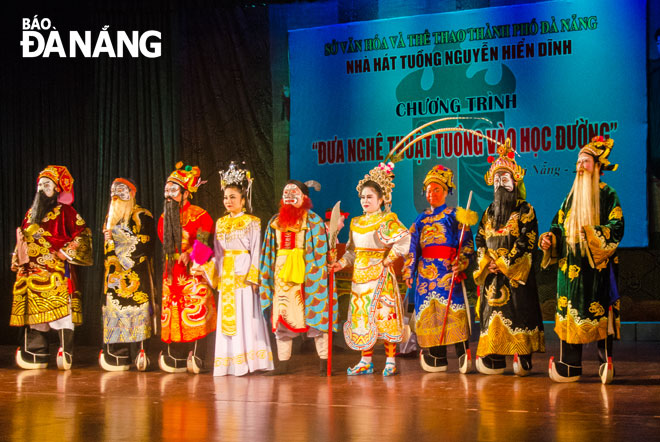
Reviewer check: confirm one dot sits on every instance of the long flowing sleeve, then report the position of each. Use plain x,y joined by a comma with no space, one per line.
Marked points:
393,232
603,240
79,248
551,255
267,266
483,258
414,252
254,236
517,263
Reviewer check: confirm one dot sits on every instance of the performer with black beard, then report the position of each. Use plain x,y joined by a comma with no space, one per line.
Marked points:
583,239
508,308
294,275
51,242
188,311
128,284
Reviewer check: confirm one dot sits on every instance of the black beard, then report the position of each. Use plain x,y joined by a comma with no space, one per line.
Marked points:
171,230
41,205
503,204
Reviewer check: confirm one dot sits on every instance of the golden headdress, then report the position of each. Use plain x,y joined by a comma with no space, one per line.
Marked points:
440,175
506,161
188,177
600,149
63,180
382,175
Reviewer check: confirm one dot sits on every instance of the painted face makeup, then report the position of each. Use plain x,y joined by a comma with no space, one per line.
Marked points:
292,195
47,186
435,195
173,191
121,191
369,200
503,179
585,163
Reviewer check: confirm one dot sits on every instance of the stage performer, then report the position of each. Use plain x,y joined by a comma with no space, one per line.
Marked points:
128,313
52,242
294,276
583,240
188,309
376,240
508,308
432,260
242,343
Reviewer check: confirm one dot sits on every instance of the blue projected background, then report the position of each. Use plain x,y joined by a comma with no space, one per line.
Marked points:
548,75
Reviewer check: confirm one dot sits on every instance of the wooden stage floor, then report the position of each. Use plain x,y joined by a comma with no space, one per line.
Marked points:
87,404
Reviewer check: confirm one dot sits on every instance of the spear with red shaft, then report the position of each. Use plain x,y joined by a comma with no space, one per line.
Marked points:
333,230
453,276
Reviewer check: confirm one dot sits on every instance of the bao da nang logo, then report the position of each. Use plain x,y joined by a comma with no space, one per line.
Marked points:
42,39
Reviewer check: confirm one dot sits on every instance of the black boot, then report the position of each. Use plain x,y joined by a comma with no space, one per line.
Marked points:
195,362
281,368
65,352
522,364
606,370
491,364
115,357
169,363
33,352
433,359
323,367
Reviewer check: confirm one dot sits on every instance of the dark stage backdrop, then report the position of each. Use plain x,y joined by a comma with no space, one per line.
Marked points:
205,101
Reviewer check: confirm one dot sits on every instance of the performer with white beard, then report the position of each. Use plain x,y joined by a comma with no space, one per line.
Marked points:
583,239
128,285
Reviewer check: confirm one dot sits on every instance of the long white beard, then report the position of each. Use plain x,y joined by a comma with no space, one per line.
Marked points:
585,208
119,212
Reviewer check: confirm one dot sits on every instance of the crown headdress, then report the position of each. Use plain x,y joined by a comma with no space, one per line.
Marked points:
188,177
63,180
505,161
600,148
382,175
235,176
441,175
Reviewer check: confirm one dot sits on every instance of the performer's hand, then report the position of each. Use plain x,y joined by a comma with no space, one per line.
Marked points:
336,266
184,258
492,267
61,255
107,235
387,262
583,235
546,241
409,282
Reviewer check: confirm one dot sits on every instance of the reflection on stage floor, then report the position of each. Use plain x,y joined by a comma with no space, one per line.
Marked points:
87,404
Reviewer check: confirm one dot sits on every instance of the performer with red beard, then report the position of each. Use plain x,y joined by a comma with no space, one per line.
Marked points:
51,242
294,275
188,311
128,285
583,240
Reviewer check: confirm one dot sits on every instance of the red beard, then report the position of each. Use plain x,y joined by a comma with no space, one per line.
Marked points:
291,216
